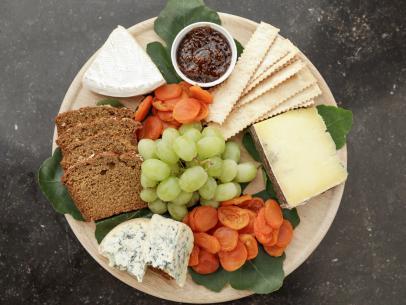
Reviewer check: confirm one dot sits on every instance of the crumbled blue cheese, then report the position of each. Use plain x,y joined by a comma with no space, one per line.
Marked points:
124,246
168,247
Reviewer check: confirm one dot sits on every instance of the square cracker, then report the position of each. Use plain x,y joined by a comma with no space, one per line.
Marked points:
290,56
228,93
302,99
280,48
285,71
248,114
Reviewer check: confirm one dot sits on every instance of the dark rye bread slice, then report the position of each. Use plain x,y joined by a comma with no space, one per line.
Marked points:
103,142
68,119
105,185
126,128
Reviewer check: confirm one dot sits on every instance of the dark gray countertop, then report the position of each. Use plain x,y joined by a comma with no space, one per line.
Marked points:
358,46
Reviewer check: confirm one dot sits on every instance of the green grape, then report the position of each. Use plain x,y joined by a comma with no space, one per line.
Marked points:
208,189
155,169
193,134
168,189
227,191
157,206
192,179
183,198
186,127
211,203
246,172
213,166
211,131
169,135
146,147
208,147
229,171
192,163
195,199
184,148
165,152
146,182
148,195
232,151
175,169
177,212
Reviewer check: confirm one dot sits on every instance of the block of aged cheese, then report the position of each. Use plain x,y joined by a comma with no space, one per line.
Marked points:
299,155
124,246
168,247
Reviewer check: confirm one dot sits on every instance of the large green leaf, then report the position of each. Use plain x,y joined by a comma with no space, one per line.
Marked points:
106,225
213,281
111,102
292,216
49,180
338,121
180,13
160,56
264,274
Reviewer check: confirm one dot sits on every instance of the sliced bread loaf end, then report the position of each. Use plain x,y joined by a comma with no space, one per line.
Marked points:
105,185
68,119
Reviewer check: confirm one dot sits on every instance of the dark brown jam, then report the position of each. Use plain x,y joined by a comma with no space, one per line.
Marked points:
204,55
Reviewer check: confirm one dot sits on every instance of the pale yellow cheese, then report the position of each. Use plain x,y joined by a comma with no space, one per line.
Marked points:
301,154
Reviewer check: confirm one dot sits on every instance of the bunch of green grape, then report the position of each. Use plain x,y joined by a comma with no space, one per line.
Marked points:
191,165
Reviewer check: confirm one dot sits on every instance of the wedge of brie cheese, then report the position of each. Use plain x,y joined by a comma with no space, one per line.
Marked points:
299,154
168,247
122,68
124,246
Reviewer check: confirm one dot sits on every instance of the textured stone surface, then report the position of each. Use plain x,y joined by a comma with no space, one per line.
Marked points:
358,46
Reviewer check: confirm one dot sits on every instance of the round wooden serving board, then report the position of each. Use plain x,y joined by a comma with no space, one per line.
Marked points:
316,217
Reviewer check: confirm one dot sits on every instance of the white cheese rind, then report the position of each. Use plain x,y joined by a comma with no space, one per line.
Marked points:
124,246
301,153
122,68
168,247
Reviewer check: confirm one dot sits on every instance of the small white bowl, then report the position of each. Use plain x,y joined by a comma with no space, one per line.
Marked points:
216,27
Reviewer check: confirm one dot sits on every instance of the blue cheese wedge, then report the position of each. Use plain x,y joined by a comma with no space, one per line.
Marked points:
124,246
299,155
122,68
168,247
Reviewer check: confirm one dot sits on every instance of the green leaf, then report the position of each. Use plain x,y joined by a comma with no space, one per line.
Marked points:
262,194
180,13
243,185
213,281
292,216
249,145
264,274
269,187
110,101
106,225
338,121
49,180
239,46
162,59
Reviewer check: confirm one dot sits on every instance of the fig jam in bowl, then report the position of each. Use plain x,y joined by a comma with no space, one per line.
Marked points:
204,54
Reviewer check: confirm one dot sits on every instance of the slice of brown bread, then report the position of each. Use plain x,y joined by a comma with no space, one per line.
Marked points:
103,142
68,119
126,128
105,185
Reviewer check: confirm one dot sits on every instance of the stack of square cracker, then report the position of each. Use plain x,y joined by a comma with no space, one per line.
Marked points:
269,78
